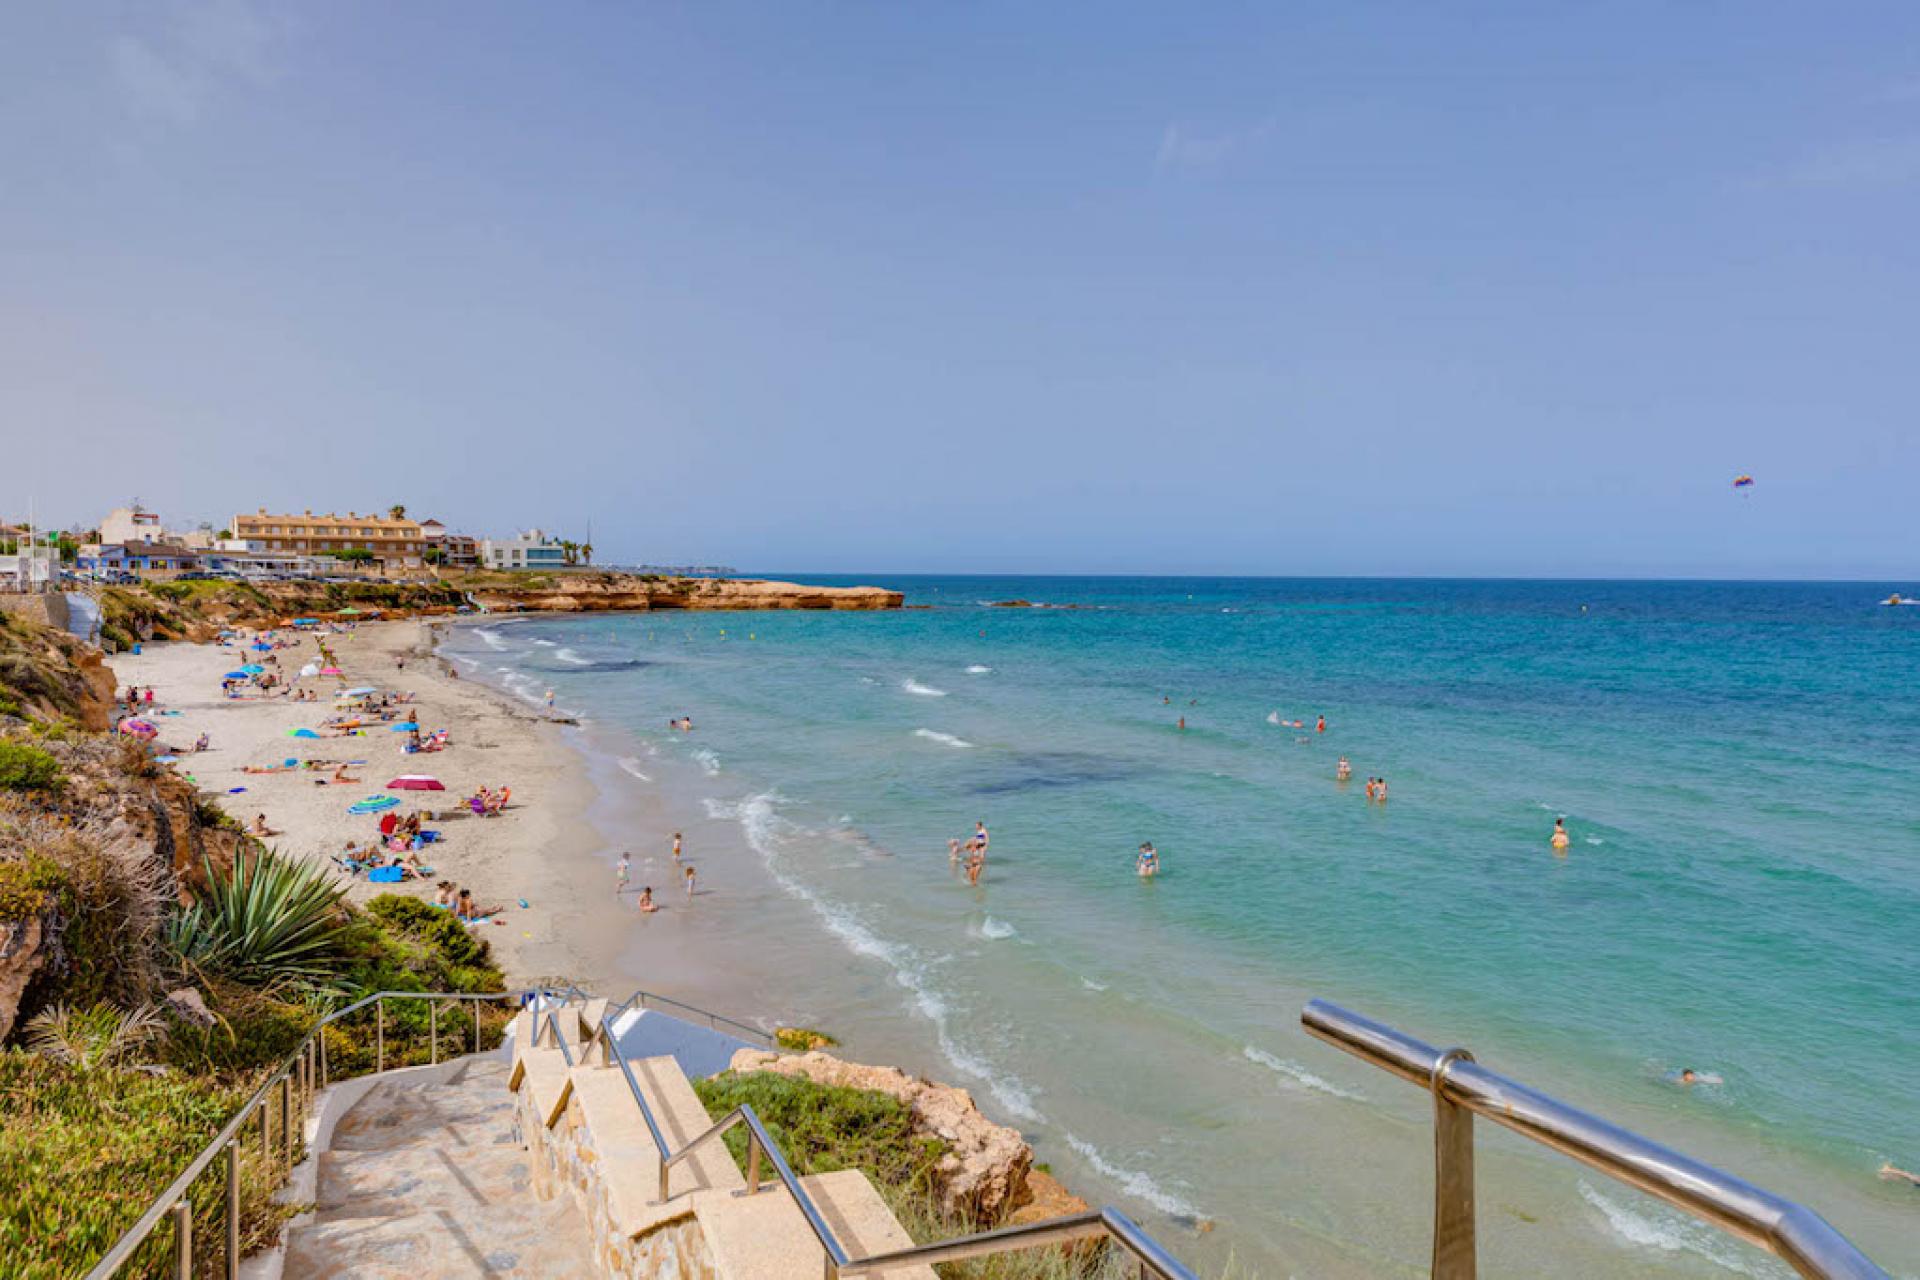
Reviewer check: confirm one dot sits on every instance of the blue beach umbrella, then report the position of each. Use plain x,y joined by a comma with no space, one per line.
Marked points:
301,733
404,728
306,622
262,646
373,804
236,675
253,668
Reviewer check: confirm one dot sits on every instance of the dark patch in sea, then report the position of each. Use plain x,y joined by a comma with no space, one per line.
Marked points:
610,664
1047,770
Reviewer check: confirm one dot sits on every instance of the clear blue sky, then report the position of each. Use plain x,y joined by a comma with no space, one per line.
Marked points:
1368,288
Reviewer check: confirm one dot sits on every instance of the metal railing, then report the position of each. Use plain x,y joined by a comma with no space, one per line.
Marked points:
1153,1259
292,1083
1462,1088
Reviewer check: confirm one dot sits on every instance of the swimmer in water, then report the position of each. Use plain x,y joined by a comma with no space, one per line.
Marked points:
1380,790
1183,722
1148,864
1343,772
1560,838
953,852
1688,1077
1320,725
1891,1173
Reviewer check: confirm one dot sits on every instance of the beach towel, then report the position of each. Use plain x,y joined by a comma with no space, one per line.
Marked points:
386,875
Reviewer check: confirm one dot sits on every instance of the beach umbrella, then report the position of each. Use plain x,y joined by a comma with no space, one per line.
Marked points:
409,727
253,668
306,622
360,692
301,733
262,646
373,804
236,675
416,782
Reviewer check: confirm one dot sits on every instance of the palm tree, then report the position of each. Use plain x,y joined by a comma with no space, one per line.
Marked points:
396,512
586,552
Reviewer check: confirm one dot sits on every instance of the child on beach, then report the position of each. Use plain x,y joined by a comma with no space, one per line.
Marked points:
646,901
676,846
690,881
625,861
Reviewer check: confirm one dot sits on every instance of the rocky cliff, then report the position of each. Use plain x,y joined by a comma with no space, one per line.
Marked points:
588,592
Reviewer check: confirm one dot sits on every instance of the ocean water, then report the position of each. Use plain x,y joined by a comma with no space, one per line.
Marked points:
1738,766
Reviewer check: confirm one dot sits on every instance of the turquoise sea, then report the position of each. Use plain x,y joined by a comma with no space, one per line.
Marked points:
1738,765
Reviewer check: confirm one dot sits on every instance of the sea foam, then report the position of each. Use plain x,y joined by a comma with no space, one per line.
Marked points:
1298,1075
934,735
977,670
924,690
632,765
1654,1228
1133,1181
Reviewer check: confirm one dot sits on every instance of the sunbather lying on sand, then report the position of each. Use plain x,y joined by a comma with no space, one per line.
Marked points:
259,827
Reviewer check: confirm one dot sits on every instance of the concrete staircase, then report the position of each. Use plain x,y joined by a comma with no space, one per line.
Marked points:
425,1176
589,1145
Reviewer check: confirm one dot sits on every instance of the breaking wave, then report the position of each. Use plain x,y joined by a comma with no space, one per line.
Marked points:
1132,1181
1298,1075
924,690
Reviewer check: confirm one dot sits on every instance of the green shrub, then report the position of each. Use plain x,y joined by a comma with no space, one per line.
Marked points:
29,886
822,1128
27,768
271,920
802,1039
87,1152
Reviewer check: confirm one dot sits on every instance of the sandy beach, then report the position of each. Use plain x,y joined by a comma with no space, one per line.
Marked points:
541,851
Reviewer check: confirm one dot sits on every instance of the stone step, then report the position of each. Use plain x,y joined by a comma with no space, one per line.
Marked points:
474,1109
396,1182
766,1237
545,1245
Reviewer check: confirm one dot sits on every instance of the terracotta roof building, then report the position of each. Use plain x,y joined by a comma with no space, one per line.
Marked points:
394,543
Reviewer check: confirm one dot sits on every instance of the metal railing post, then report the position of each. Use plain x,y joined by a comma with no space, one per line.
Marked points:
323,1057
266,1130
476,1026
1453,1213
183,1239
753,1163
433,1031
379,1036
233,1210
286,1117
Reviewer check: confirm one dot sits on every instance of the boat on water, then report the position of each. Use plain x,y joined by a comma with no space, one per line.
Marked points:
1897,599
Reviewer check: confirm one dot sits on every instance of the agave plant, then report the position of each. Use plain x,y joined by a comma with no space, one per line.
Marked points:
273,920
87,1039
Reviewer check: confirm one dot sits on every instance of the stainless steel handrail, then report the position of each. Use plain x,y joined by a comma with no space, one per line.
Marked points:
308,1061
1462,1088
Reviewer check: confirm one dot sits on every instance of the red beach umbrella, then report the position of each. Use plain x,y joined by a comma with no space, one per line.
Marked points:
416,782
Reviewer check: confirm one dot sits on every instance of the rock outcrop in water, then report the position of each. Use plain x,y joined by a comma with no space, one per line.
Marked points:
987,1175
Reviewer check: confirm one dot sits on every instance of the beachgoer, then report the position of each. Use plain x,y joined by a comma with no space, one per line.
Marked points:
980,837
626,860
690,879
1148,863
1560,838
148,696
976,863
1380,790
549,700
1891,1173
646,900
1183,722
676,846
1369,786
1343,772
259,826
953,851
1320,725
202,743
